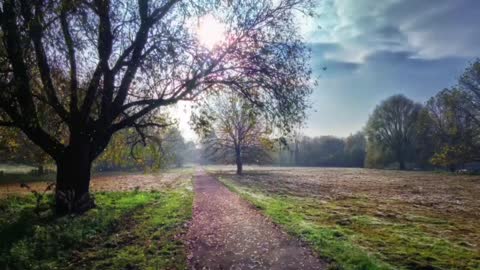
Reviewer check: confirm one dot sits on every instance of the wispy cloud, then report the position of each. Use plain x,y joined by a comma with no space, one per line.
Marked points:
373,49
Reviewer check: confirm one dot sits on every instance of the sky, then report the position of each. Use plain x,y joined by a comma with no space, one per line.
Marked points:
373,49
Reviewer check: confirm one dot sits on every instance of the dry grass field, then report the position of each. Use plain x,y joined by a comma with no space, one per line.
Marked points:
103,182
371,219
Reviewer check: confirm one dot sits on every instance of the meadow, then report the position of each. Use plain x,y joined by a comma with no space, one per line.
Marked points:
351,218
370,219
139,223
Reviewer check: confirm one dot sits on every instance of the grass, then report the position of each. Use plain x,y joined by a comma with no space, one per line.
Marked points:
127,230
354,234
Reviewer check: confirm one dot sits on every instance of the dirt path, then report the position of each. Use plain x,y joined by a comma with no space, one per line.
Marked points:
228,233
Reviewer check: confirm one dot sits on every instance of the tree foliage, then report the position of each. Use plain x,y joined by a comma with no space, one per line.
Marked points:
452,129
16,147
392,127
355,149
322,151
445,132
100,66
232,130
163,148
469,83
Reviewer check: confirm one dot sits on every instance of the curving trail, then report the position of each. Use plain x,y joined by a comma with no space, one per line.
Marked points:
228,233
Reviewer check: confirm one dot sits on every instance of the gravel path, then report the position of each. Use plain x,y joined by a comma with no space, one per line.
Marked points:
228,233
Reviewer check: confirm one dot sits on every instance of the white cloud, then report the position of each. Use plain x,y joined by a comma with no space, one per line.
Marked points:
373,49
430,29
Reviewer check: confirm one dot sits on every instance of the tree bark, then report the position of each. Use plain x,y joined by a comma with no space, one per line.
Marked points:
40,170
401,153
402,164
73,180
238,159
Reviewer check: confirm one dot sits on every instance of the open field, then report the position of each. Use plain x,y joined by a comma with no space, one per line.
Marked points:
115,181
353,218
371,219
139,223
18,169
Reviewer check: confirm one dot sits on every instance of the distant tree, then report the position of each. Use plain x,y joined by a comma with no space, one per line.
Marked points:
392,126
282,153
425,142
159,149
173,147
323,151
355,149
16,147
330,151
320,151
103,66
294,146
469,83
191,153
286,149
377,156
231,128
452,128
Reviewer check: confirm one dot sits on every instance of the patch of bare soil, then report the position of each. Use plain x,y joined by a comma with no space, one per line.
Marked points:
228,233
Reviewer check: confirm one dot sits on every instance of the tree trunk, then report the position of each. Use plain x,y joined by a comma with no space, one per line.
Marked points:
238,159
297,153
73,181
40,170
402,164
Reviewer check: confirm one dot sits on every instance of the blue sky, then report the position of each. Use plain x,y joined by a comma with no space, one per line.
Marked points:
373,49
376,48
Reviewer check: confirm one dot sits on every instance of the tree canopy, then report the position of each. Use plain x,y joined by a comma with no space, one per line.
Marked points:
392,126
452,127
95,67
232,129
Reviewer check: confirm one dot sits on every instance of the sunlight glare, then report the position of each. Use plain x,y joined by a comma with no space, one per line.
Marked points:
210,32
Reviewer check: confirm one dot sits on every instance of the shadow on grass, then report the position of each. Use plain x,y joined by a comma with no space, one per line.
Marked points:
128,223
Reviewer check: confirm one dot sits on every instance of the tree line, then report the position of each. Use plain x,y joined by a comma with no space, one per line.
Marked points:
442,133
400,133
325,151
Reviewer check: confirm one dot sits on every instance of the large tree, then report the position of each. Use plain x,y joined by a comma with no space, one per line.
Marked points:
100,66
232,129
392,127
469,83
451,127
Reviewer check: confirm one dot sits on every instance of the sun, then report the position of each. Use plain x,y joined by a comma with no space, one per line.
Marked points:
210,32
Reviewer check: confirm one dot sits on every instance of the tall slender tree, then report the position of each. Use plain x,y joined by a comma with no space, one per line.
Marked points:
100,66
